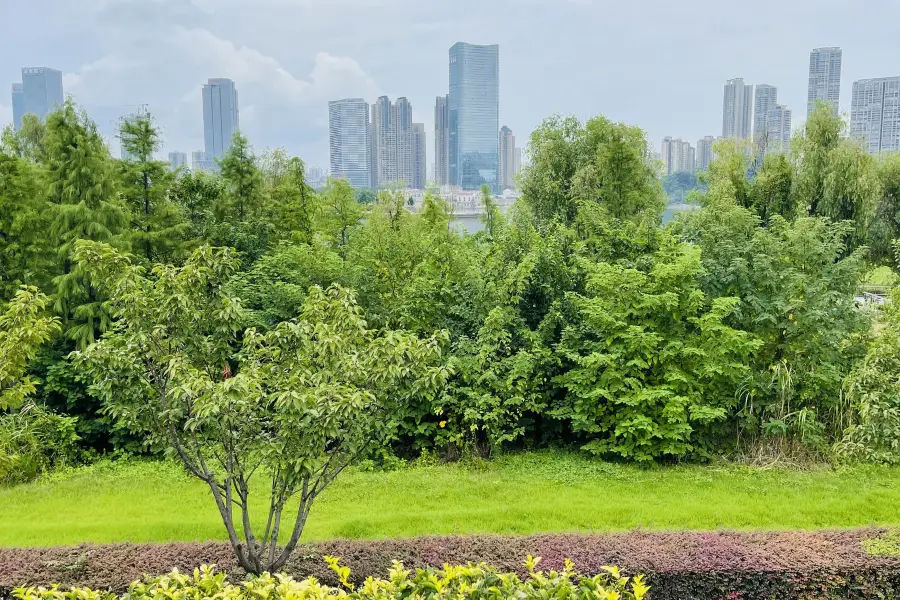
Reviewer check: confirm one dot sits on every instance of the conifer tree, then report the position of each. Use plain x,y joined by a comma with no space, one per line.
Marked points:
158,227
85,206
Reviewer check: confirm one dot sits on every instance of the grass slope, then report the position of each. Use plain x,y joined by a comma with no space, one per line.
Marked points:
524,493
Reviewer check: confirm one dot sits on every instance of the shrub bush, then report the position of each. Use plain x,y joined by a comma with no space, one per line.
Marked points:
471,581
678,565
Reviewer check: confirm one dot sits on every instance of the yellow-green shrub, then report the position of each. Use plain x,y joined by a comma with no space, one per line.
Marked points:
473,581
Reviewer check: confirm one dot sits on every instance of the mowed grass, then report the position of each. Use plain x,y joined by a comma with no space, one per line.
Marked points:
523,493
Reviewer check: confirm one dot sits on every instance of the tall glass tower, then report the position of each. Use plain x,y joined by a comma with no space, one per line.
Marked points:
474,115
220,117
348,141
40,93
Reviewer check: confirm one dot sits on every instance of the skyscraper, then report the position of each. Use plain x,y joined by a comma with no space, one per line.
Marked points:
392,143
875,113
704,154
507,164
220,117
824,78
765,99
677,156
177,160
778,124
40,93
474,108
736,105
348,133
442,140
197,160
419,170
517,161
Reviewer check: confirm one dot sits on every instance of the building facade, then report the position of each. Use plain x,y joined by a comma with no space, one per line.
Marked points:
875,114
348,140
177,160
704,154
392,143
517,161
765,98
824,78
474,116
507,164
736,105
40,93
778,123
442,140
420,175
677,156
220,117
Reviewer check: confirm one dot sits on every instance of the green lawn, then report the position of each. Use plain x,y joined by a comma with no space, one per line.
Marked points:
525,493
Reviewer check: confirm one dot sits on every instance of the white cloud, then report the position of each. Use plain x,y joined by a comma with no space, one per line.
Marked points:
97,77
261,76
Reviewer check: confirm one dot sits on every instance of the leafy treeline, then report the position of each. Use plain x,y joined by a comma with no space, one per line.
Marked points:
574,319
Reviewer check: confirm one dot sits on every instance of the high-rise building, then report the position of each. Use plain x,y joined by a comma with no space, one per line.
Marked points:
392,143
220,116
419,170
704,154
507,164
197,159
778,124
40,93
736,105
200,162
517,161
177,160
824,78
765,98
348,140
442,140
316,177
18,104
474,108
875,114
677,156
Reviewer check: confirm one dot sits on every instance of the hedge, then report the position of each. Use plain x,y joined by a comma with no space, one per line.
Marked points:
475,582
678,565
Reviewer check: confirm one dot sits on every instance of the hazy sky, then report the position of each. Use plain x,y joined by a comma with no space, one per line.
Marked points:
653,63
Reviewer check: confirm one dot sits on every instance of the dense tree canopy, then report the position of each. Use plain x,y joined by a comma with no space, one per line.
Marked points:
574,318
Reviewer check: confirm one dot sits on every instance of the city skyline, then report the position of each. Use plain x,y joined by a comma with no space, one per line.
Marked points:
288,59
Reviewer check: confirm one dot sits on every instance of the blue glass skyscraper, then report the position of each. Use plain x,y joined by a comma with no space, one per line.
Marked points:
220,117
474,115
40,93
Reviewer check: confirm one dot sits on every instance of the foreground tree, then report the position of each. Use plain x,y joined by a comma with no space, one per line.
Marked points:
295,405
23,328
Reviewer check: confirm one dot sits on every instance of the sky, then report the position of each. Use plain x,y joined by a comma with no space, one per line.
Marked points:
657,64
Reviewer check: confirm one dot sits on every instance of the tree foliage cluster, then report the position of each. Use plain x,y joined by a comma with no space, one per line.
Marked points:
575,318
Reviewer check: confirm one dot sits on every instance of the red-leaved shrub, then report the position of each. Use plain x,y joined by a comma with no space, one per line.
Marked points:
678,565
